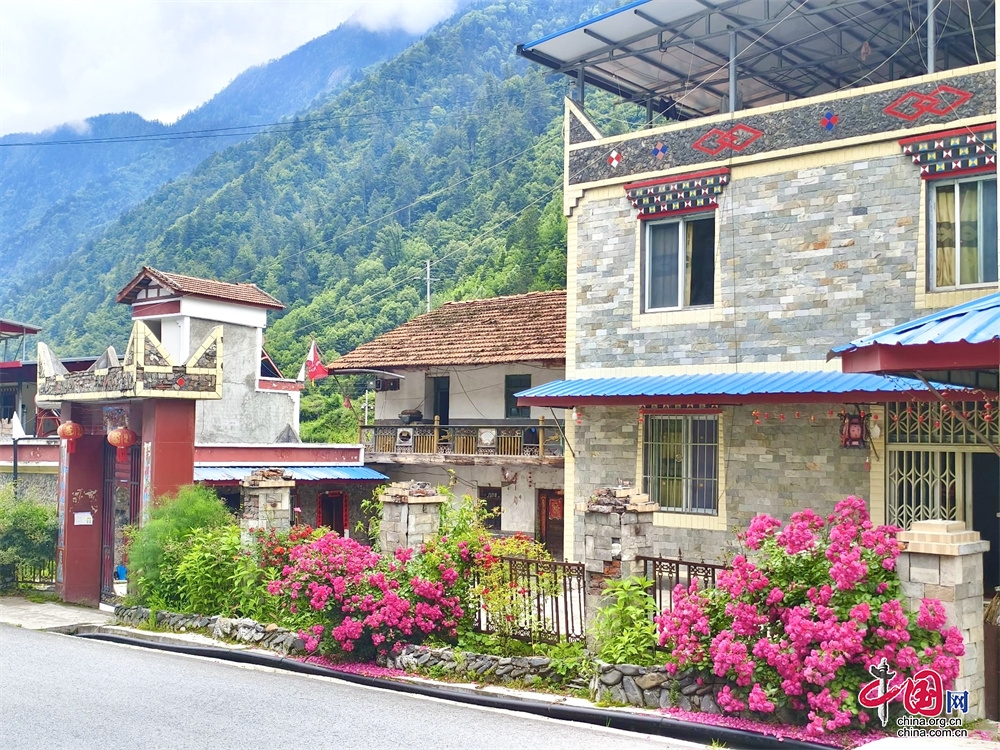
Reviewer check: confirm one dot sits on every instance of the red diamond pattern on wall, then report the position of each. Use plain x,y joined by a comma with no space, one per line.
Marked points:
715,141
614,158
913,105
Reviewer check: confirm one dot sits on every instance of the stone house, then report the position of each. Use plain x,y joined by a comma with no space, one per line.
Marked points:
716,255
445,411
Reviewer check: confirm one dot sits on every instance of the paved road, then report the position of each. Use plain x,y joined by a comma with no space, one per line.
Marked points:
57,691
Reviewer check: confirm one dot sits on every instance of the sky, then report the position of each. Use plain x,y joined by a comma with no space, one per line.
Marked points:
63,61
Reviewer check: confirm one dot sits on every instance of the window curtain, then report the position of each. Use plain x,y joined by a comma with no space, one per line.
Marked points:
968,202
944,258
663,261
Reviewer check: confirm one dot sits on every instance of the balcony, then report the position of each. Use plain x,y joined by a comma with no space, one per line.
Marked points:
484,443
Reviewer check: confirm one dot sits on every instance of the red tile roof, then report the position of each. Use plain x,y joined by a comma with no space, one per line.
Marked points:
523,328
246,294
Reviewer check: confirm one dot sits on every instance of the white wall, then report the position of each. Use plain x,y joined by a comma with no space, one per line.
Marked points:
476,393
518,501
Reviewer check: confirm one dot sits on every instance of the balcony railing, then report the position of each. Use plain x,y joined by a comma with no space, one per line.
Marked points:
543,440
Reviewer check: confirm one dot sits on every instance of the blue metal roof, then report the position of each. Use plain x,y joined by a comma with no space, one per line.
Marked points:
976,322
725,388
299,473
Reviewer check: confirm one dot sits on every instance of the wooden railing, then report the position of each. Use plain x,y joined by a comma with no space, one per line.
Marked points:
543,439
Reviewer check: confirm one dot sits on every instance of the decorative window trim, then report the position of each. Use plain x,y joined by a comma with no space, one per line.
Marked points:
959,152
677,195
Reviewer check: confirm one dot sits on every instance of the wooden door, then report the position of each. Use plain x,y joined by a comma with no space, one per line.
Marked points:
550,517
331,511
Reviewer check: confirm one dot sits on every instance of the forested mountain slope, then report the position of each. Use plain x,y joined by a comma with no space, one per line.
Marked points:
54,198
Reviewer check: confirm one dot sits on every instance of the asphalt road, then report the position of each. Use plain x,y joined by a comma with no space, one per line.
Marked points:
62,692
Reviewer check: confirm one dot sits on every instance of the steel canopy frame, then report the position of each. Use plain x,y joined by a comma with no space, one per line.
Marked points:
674,56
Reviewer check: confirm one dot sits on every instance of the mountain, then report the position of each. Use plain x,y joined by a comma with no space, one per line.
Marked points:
53,198
450,152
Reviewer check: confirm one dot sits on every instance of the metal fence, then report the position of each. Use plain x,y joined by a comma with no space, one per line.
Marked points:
42,575
541,601
666,573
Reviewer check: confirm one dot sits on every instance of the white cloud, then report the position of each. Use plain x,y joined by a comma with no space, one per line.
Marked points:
63,61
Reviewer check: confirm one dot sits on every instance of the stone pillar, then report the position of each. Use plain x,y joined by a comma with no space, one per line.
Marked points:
944,561
266,502
411,514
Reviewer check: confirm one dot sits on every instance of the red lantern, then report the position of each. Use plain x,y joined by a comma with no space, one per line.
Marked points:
122,438
70,432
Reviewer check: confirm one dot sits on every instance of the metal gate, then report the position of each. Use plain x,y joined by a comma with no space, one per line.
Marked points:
119,508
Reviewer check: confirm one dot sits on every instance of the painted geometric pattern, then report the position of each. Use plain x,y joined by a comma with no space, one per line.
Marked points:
715,141
954,152
913,105
675,195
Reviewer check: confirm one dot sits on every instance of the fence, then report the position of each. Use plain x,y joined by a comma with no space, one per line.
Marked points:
543,440
542,601
666,573
42,575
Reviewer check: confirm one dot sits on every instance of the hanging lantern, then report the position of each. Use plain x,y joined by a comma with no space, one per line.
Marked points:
122,438
70,432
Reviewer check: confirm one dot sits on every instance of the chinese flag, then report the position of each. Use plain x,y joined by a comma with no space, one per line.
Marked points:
315,369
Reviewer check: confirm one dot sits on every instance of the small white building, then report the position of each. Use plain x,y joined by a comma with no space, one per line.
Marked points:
446,409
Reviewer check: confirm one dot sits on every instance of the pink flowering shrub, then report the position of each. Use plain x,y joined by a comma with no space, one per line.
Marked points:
797,623
349,599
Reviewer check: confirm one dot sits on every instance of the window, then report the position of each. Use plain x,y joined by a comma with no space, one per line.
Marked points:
963,232
490,497
515,384
681,463
8,396
680,263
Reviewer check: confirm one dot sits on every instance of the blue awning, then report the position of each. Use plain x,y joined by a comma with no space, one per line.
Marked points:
727,389
299,473
976,322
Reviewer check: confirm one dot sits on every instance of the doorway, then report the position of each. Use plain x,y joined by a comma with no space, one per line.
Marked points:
985,504
491,497
441,388
331,511
119,509
550,521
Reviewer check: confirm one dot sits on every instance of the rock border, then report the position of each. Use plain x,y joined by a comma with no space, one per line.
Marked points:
230,629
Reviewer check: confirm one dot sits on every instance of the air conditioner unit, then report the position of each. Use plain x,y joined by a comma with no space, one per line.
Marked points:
404,438
386,384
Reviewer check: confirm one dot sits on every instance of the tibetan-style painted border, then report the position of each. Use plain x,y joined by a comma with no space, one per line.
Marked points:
912,104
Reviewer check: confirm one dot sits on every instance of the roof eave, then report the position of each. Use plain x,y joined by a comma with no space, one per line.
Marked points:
961,355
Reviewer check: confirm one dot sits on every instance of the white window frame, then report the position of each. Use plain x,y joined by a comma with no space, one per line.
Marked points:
681,223
687,477
933,186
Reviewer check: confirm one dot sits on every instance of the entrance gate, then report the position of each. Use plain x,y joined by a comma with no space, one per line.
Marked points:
119,508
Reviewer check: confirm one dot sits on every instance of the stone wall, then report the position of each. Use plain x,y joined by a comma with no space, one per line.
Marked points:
807,259
42,488
527,670
769,468
240,630
654,687
305,495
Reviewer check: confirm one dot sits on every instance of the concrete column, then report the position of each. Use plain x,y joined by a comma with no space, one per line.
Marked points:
945,561
265,502
411,514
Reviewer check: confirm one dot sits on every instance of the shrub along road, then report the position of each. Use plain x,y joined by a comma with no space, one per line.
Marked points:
64,692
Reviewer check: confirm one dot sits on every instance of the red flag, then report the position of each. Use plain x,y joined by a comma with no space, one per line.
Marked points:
315,369
347,402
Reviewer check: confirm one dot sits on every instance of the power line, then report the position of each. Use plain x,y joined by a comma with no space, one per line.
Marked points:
311,124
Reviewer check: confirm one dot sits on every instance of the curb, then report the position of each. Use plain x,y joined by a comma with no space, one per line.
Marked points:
656,725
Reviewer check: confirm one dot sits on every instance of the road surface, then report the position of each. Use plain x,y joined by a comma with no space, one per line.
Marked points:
58,691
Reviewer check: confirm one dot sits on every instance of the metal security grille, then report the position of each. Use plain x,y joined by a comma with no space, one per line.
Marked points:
929,423
681,463
925,485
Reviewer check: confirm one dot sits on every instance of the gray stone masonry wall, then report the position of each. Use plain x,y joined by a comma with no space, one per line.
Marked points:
42,488
265,504
810,257
528,670
776,467
241,630
411,514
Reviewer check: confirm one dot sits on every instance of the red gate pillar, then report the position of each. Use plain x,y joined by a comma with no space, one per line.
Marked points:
78,552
